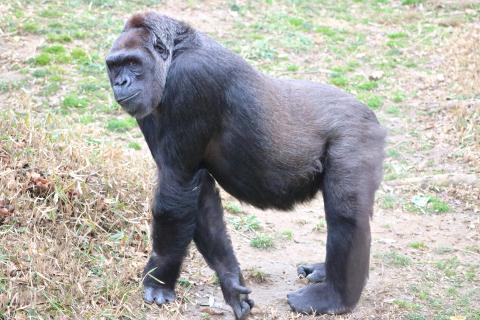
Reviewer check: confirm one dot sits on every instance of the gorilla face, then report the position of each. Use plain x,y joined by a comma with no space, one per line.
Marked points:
137,67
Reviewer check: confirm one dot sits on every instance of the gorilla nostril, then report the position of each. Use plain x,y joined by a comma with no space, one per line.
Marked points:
122,82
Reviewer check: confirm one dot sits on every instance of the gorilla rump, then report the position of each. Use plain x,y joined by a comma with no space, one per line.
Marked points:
208,117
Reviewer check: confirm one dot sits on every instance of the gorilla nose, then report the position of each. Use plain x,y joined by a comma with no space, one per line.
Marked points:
122,81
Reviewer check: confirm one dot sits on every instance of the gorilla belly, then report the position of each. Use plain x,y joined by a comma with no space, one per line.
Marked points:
266,184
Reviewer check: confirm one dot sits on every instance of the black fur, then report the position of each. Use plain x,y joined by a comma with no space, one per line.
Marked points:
207,115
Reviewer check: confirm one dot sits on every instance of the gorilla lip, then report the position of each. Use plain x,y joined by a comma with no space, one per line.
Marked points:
129,97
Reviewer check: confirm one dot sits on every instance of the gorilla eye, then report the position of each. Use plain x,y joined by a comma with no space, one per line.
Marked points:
160,48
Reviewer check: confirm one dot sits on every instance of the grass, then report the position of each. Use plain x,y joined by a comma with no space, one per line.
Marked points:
427,204
233,207
262,241
397,259
121,124
74,101
389,201
82,216
287,235
246,223
257,275
320,226
419,245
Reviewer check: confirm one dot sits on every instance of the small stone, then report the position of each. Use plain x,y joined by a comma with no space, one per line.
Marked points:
376,75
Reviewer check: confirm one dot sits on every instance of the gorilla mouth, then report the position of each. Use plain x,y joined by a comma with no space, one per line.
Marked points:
123,99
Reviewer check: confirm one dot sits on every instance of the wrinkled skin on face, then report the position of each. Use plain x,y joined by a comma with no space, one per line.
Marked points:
137,67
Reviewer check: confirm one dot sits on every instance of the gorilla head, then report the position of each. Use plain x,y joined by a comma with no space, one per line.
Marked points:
139,60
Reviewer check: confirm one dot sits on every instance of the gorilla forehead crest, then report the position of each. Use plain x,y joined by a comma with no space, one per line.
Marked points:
164,28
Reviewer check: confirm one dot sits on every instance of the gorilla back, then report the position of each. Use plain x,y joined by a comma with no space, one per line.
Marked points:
270,142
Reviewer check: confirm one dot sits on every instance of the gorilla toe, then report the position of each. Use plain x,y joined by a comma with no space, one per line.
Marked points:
317,298
313,272
158,295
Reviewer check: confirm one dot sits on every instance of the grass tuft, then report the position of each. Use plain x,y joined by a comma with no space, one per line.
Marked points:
262,241
121,124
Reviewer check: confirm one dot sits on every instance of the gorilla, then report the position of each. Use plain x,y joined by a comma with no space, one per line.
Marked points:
208,117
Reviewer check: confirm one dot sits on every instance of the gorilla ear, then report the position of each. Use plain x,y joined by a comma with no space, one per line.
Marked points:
161,49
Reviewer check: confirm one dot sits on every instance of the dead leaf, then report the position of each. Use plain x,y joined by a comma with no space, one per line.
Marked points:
6,209
39,186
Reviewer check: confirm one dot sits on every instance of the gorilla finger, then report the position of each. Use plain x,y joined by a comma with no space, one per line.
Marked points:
148,296
304,270
316,276
160,299
241,289
242,310
169,296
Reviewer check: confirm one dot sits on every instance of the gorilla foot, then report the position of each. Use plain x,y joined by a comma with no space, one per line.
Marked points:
236,295
313,272
317,299
159,295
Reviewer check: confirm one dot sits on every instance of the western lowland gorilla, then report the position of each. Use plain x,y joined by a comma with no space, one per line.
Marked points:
207,117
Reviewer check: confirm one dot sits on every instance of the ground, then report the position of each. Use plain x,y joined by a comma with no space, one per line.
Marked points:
76,177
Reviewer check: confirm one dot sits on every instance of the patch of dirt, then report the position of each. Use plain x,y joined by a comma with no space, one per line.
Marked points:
19,48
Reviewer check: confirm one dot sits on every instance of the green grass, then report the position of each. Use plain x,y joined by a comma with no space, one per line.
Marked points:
257,275
287,234
55,49
121,124
42,59
389,201
394,111
427,204
134,145
374,102
338,80
438,206
396,259
448,266
412,2
404,304
233,207
419,245
262,241
246,223
320,226
398,97
369,85
74,101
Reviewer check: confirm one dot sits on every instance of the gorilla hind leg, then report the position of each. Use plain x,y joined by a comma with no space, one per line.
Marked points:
348,192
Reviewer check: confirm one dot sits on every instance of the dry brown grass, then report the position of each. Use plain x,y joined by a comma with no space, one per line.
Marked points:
79,229
462,60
